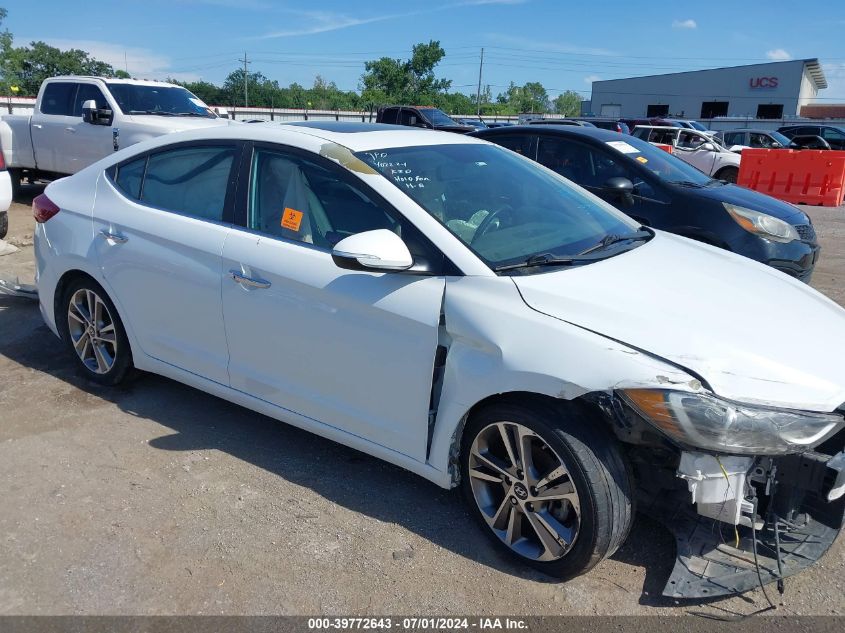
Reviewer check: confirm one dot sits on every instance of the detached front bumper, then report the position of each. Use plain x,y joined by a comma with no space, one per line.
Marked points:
790,509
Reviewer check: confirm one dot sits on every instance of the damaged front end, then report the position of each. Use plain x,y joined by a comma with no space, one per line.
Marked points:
752,494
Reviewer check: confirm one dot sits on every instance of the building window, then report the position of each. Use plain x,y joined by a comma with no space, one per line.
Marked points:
770,111
657,110
712,109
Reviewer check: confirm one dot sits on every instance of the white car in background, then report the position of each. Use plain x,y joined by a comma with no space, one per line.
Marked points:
699,149
460,311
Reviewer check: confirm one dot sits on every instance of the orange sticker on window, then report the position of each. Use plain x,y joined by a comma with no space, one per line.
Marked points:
642,159
291,219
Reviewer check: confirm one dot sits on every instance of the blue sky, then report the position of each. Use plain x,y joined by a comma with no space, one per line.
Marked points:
563,45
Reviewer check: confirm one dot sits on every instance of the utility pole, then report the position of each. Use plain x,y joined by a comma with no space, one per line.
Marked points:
478,92
125,63
246,81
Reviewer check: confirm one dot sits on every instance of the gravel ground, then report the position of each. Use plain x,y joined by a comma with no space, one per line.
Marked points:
155,498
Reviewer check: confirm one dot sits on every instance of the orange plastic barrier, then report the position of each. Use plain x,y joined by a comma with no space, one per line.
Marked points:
798,176
666,148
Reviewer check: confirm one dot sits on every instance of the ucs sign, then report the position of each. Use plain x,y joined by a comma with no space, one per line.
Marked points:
763,82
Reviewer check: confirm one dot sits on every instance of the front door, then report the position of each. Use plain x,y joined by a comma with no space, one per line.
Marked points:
690,149
160,222
353,350
89,142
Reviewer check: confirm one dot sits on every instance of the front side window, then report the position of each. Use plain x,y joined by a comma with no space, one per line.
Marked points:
690,140
438,117
159,100
504,207
296,199
519,143
58,98
192,180
832,134
88,92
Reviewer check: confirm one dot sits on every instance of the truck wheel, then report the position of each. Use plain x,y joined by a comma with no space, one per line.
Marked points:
15,176
728,174
4,224
548,484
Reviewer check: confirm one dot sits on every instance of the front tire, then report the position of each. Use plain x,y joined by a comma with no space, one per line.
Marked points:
94,333
4,224
548,484
728,174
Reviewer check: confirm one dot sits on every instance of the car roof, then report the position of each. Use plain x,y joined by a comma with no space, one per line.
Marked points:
114,80
597,133
357,137
756,130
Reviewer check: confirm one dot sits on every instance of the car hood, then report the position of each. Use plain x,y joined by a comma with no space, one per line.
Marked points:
168,124
752,333
742,197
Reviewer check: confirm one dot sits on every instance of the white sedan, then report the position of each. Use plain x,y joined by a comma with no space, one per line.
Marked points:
460,311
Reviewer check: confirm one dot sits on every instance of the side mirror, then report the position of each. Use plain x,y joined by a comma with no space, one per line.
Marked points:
372,250
709,147
90,113
776,145
621,187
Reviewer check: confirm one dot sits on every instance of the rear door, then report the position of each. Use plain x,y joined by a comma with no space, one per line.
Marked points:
51,139
160,222
352,349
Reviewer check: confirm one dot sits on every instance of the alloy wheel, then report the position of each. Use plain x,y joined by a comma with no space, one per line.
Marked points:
92,331
524,491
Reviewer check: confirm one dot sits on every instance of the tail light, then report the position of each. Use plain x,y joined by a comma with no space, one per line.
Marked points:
2,161
43,208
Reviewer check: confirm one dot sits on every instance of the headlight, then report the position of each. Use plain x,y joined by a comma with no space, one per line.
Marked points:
705,421
762,224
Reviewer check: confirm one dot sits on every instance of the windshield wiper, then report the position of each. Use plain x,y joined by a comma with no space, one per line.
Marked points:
687,183
200,114
156,112
545,259
611,239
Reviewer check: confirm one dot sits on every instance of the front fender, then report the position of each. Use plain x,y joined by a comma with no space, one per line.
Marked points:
496,344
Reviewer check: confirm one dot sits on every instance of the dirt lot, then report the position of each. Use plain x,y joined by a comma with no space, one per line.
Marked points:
159,499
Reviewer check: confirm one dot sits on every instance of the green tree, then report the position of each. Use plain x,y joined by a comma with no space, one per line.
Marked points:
29,65
405,81
568,103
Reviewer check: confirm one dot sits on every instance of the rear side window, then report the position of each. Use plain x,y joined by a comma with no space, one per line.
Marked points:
130,176
734,138
519,143
58,98
192,180
389,115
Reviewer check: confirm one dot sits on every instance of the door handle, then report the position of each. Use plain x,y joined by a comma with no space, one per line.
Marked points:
71,129
248,281
37,126
114,237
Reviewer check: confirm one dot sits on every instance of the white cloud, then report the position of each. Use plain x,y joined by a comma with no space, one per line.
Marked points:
325,21
778,55
684,24
140,62
589,79
551,47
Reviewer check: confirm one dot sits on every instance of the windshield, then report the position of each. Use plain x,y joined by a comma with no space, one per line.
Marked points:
506,208
160,100
437,117
696,125
780,138
662,164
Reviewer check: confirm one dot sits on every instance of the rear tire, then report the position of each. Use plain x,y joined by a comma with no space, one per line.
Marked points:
728,174
4,224
93,332
557,450
15,176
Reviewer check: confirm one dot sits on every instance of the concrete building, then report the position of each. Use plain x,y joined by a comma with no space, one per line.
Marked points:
773,90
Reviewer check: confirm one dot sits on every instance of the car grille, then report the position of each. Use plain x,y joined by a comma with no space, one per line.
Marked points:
806,232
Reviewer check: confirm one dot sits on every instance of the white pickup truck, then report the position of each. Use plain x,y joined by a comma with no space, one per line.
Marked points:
79,120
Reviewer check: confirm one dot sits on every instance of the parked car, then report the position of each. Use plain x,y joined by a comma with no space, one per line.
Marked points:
476,124
663,192
575,122
696,148
421,116
738,140
687,123
632,123
833,135
608,124
462,312
5,197
79,120
808,141
492,124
